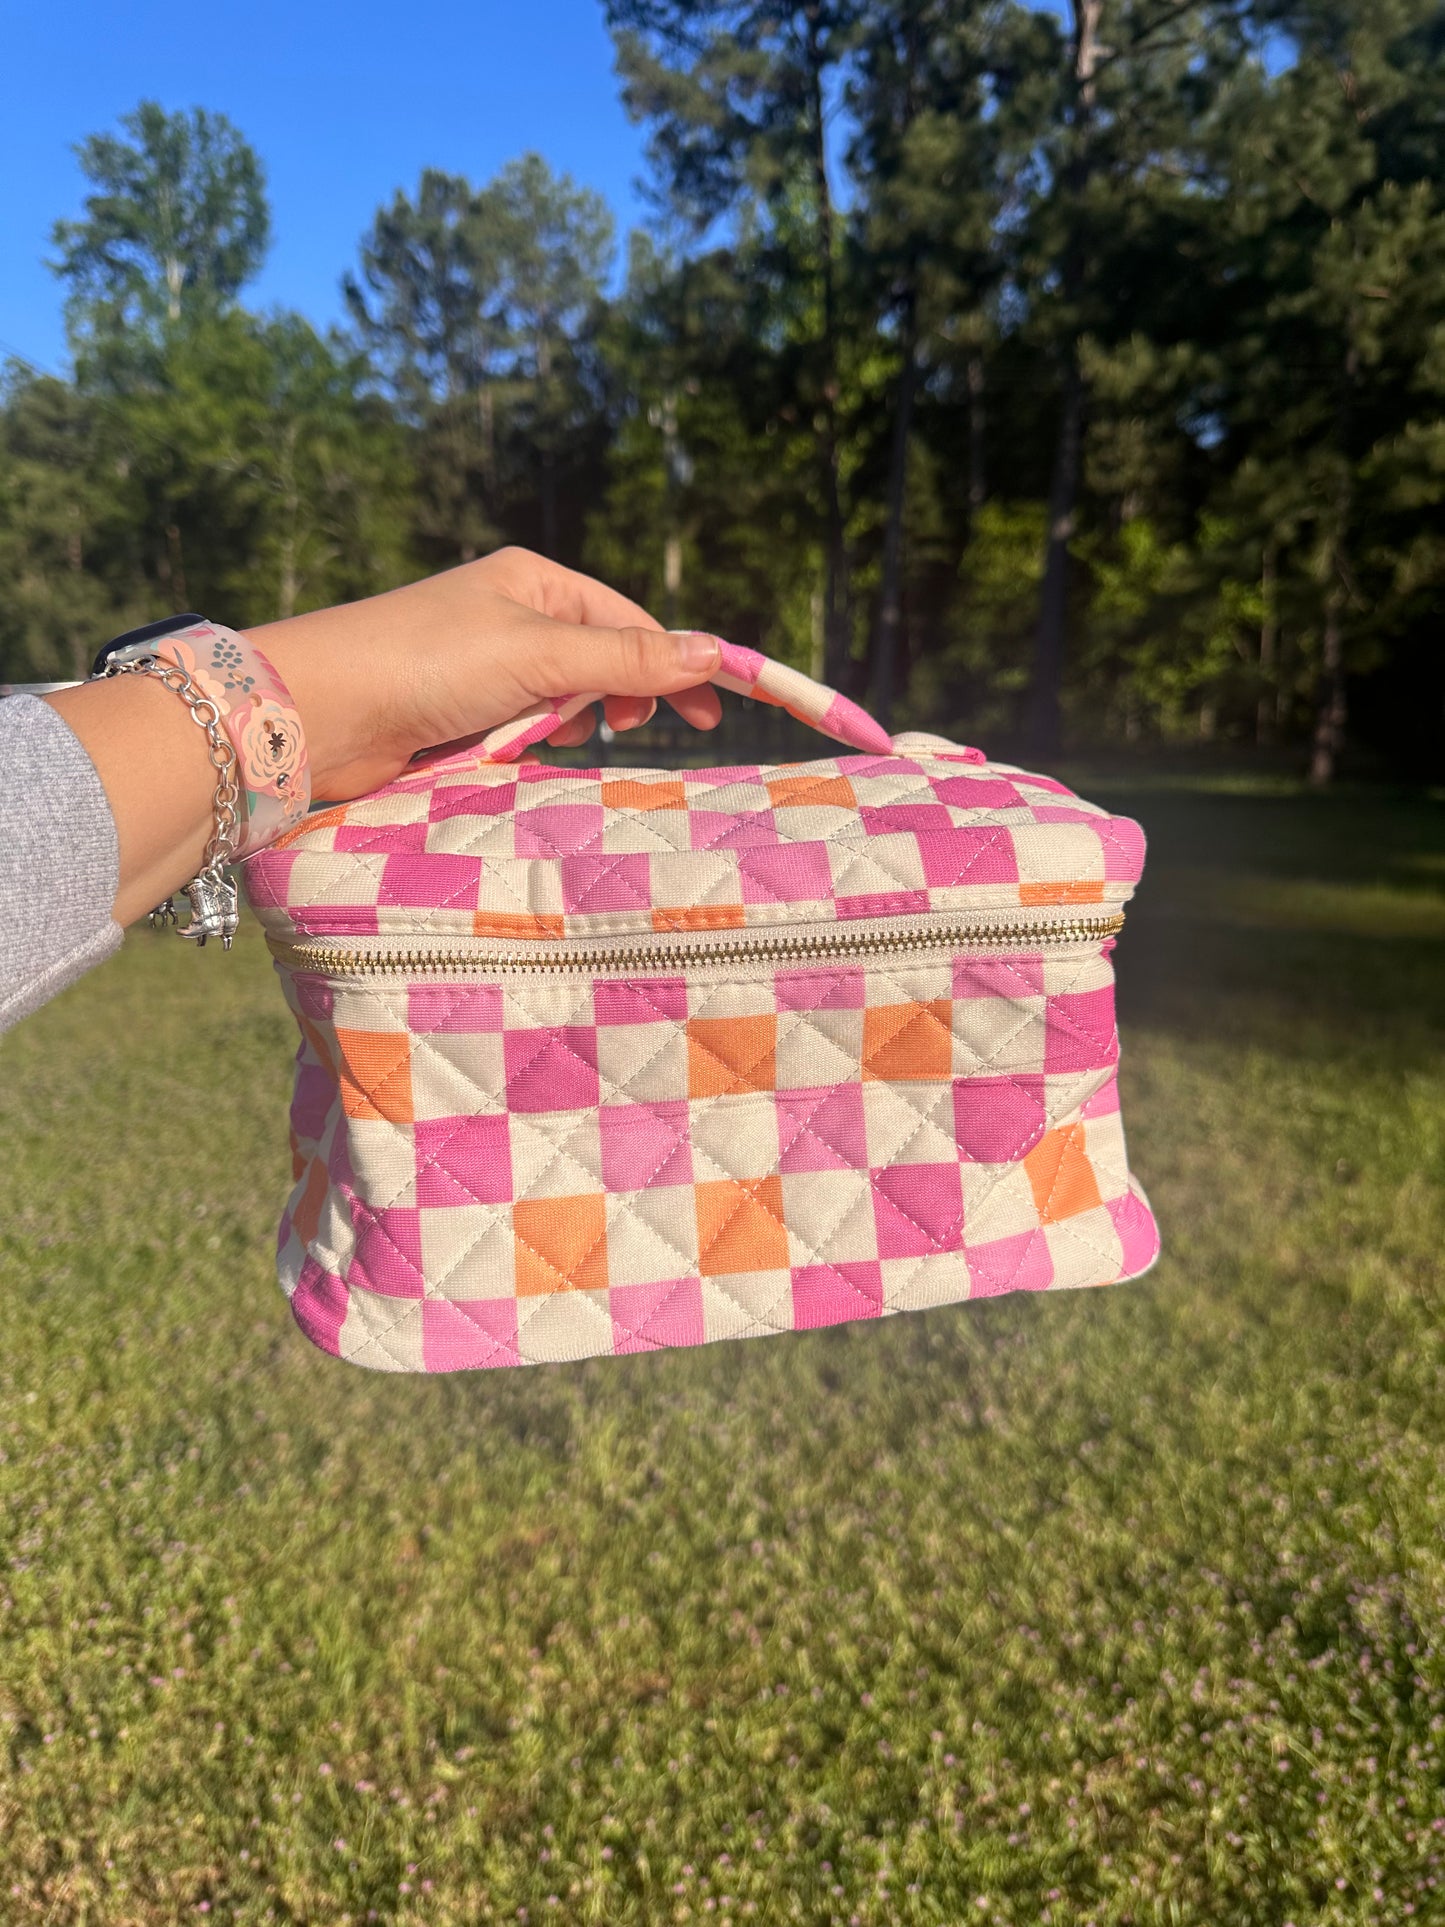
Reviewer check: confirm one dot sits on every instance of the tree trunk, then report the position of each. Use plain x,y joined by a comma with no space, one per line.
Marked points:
890,609
172,569
549,505
1044,710
977,451
1268,649
549,454
1049,647
672,538
486,423
837,623
82,649
291,509
1333,712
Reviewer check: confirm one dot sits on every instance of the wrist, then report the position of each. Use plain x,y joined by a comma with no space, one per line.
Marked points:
326,661
237,694
131,730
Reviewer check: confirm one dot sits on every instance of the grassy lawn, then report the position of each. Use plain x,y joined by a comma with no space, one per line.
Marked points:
1122,1607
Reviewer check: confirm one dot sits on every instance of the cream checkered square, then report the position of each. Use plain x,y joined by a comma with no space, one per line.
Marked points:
734,1136
742,1303
469,1251
382,1333
556,1154
909,1123
818,1047
651,1235
830,1219
642,1063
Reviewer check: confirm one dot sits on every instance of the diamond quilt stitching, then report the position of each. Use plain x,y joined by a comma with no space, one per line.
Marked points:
436,1289
910,784
878,783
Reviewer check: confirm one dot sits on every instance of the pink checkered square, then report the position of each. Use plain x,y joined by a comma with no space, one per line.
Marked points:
386,1250
469,1334
788,873
454,1008
822,1129
558,829
645,1317
955,856
997,1119
552,1068
463,1160
831,1294
594,883
645,1000
646,1145
918,1208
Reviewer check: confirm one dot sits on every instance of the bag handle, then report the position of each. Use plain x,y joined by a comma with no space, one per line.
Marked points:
746,672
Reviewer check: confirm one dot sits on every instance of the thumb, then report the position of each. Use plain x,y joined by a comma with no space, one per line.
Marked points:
575,658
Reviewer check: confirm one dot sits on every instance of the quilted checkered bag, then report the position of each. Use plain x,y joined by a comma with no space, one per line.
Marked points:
601,1061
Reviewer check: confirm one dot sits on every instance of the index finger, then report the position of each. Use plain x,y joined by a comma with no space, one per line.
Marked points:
571,596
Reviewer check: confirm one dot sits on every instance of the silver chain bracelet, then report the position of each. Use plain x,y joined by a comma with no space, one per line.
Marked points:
212,896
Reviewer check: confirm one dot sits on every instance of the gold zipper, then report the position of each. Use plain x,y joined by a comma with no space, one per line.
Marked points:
997,935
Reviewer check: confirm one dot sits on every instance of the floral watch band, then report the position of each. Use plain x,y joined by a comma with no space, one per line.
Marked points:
255,710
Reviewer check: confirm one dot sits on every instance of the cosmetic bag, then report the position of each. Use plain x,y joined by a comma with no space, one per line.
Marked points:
607,1060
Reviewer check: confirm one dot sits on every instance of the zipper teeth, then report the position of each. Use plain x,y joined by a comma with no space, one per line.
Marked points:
337,961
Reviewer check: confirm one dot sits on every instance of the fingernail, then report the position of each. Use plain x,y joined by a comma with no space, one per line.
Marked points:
697,650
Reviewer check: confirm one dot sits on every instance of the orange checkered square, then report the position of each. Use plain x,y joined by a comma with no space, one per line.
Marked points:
1061,1176
700,916
729,1054
561,1244
811,792
740,1226
376,1074
626,793
908,1042
1040,896
516,924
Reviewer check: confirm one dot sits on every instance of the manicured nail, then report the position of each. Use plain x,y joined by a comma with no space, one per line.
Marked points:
697,650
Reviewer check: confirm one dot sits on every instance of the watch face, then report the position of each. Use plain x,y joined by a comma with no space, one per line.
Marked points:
149,632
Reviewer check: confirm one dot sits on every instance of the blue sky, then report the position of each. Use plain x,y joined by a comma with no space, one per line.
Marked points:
344,103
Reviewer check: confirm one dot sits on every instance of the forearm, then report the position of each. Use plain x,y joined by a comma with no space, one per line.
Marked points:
158,780
152,758
372,683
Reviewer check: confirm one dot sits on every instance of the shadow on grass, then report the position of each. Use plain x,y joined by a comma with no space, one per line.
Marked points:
1274,829
1309,924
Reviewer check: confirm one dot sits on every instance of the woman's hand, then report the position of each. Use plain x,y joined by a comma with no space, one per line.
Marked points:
446,659
435,664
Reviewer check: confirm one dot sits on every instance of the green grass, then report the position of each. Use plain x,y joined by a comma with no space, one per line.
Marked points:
1123,1607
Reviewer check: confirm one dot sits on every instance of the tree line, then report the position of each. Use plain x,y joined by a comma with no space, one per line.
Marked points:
1025,375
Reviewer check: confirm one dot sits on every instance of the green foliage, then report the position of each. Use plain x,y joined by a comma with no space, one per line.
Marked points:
479,305
1026,366
1122,1606
177,222
66,512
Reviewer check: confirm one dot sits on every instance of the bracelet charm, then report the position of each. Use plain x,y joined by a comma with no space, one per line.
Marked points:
254,740
215,907
241,687
215,910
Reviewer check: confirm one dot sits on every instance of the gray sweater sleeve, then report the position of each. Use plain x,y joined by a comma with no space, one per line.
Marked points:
59,859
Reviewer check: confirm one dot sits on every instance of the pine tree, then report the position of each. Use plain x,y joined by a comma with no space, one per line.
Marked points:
738,96
931,92
428,306
1121,168
177,222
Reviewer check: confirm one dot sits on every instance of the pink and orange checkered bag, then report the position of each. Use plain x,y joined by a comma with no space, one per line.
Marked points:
601,1061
